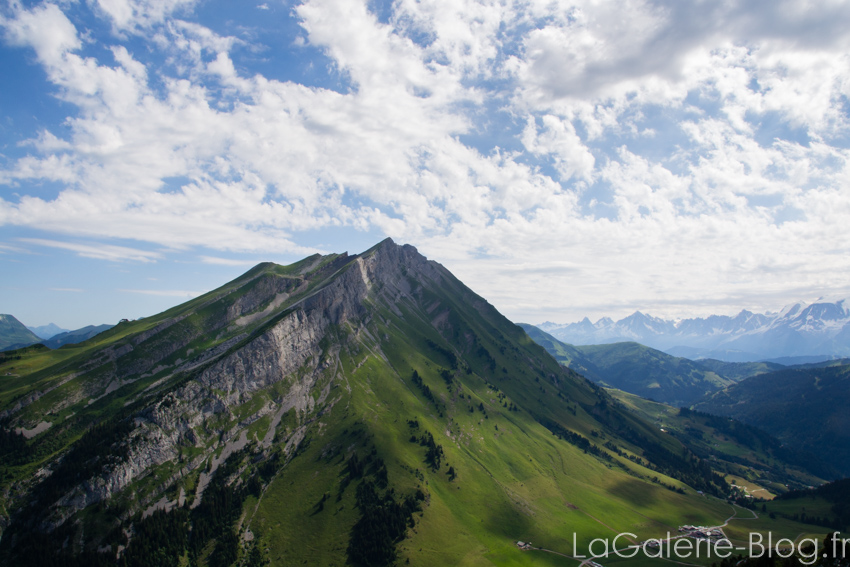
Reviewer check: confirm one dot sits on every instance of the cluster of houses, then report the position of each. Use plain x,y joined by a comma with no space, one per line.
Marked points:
700,532
525,546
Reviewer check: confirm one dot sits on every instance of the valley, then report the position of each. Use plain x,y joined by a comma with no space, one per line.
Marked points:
798,408
803,406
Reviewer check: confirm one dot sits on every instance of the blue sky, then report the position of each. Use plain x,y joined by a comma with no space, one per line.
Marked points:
562,158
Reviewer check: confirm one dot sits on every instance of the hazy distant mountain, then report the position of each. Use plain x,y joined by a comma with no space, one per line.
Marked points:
13,333
77,336
799,330
47,331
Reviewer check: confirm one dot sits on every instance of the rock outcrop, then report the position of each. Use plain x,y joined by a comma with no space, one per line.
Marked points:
283,348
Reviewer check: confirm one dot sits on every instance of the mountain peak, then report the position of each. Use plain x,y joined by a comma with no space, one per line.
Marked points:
792,310
47,331
384,244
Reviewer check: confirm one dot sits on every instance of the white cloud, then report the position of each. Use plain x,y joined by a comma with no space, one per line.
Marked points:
585,50
558,138
98,251
647,149
165,292
130,15
461,35
46,29
227,261
7,248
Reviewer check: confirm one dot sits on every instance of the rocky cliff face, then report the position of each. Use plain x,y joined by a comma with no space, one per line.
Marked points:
281,347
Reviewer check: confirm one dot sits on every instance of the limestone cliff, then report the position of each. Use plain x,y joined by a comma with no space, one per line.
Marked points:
288,318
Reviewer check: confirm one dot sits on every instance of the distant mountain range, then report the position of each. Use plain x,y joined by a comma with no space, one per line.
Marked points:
802,332
77,336
14,334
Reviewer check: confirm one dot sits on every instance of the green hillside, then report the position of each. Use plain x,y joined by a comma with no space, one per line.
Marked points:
827,505
738,371
635,368
754,459
13,333
363,410
803,407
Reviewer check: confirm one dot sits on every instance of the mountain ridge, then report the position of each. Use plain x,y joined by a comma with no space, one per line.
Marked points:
75,336
636,369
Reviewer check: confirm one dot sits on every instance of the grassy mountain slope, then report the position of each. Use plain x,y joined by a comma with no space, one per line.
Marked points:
13,333
356,409
804,407
750,456
823,364
827,505
738,371
635,368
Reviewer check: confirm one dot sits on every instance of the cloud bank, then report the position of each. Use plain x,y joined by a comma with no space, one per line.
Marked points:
561,158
